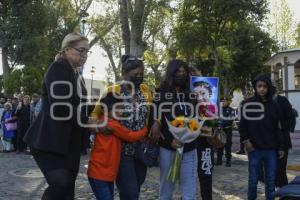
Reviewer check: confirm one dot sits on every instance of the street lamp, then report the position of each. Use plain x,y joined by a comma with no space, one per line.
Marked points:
83,14
92,73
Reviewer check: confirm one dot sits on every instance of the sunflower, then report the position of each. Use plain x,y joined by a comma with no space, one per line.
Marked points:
178,122
193,125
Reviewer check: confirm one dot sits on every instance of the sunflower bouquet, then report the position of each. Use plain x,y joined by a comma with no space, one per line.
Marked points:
184,130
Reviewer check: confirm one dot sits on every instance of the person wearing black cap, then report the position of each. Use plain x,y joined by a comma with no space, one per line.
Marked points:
260,131
226,121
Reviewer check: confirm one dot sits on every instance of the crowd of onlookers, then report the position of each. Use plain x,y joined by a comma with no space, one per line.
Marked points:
17,114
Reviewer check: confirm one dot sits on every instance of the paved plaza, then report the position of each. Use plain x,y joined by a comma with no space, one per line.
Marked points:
20,179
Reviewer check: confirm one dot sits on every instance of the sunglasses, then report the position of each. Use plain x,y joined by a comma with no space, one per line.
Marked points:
133,58
82,51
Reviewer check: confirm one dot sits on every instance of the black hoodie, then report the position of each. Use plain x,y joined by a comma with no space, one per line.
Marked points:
263,133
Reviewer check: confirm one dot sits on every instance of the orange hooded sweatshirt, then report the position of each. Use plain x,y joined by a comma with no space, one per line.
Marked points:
106,153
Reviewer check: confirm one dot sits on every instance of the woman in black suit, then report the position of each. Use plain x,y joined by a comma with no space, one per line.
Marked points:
55,136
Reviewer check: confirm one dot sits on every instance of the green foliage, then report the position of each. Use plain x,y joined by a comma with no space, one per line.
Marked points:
23,32
32,32
12,83
298,36
27,80
229,45
281,24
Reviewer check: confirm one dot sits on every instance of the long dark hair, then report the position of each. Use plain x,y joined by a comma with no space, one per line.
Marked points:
167,85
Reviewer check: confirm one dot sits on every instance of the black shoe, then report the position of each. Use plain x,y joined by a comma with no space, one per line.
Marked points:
240,152
228,164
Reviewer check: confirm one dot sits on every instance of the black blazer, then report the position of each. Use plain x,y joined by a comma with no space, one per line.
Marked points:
52,134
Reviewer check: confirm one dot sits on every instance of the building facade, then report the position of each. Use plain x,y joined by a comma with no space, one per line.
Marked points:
285,73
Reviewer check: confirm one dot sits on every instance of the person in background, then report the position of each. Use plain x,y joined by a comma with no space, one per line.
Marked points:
15,103
226,122
8,135
35,107
9,100
262,135
286,127
242,146
22,115
2,102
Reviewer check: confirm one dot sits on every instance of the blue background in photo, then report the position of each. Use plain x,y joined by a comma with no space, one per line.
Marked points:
213,81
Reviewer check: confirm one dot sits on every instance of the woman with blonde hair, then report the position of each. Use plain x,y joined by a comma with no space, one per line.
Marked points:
55,136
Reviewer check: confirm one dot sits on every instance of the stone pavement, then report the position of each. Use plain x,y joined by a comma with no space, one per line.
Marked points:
20,179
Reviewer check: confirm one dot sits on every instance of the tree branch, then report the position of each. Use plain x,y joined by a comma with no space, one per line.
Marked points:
107,49
130,9
104,32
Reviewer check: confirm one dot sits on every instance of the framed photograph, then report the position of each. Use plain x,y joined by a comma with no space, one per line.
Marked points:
207,91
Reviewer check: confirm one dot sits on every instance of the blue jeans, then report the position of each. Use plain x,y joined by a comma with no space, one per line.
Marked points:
132,174
102,190
269,159
188,175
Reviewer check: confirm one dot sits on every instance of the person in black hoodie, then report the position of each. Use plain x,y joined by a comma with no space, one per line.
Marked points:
175,90
263,139
286,127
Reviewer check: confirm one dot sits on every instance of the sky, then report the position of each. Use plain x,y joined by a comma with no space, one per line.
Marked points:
100,62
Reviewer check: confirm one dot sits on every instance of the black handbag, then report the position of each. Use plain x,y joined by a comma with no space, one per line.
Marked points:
147,153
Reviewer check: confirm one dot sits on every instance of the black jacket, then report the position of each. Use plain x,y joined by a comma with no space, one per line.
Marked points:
54,134
23,116
263,133
229,113
182,109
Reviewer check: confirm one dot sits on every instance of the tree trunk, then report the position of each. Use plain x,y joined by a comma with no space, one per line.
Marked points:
125,25
137,47
5,65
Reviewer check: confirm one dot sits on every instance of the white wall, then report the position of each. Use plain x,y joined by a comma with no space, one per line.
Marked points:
291,77
96,84
294,99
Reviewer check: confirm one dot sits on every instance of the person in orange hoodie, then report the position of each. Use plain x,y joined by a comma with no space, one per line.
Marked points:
106,152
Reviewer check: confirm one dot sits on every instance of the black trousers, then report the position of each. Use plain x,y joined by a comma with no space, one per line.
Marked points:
205,168
20,144
59,173
242,146
14,140
227,147
85,142
281,177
